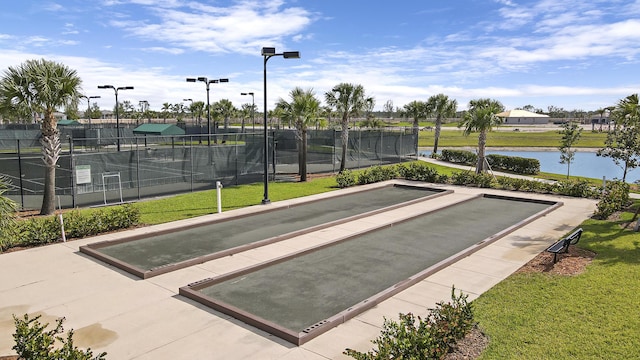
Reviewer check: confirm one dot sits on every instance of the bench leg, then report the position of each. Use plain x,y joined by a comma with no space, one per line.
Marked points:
555,257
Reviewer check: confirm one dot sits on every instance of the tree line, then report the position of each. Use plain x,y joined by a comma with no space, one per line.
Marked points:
43,87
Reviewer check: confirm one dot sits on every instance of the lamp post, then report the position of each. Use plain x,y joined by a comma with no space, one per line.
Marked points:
253,105
207,82
144,106
89,105
268,53
116,89
193,120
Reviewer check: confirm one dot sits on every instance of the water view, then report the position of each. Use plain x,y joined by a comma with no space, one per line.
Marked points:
586,164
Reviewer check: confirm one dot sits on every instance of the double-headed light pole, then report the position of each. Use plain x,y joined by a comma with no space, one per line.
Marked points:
207,82
89,105
268,53
116,89
253,105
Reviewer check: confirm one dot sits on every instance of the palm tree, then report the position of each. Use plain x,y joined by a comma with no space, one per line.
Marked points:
417,110
303,110
166,107
481,117
246,112
42,86
197,109
226,110
441,106
348,100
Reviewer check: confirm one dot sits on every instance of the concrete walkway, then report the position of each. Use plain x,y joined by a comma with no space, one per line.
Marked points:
130,318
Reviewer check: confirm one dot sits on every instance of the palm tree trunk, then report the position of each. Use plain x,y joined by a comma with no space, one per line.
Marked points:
482,142
303,160
437,135
344,136
50,155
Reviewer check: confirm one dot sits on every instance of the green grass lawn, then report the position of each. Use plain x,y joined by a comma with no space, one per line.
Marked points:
593,315
189,205
454,138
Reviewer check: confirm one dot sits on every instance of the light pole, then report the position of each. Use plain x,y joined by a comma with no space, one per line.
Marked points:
268,53
253,105
144,106
116,89
207,82
89,105
193,120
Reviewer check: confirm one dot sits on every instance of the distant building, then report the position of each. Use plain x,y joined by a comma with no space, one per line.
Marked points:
522,117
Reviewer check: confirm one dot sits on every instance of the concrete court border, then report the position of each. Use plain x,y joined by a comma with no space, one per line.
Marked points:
192,291
94,249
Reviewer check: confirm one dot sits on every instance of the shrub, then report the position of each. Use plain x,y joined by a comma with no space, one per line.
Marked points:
37,231
461,177
575,188
376,174
33,342
459,156
346,179
419,171
416,338
45,230
515,164
614,198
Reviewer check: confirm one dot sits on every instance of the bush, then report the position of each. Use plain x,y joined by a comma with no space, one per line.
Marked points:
33,342
483,180
417,338
614,198
419,171
458,156
575,188
346,179
514,164
45,230
376,174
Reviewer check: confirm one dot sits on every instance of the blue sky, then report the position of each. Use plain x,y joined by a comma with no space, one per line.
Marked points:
571,54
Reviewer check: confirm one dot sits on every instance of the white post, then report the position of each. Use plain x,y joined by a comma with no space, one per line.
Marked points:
219,194
64,236
604,183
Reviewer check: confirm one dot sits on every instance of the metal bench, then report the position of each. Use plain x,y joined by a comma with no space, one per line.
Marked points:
562,245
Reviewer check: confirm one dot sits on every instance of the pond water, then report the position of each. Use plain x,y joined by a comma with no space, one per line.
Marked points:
586,164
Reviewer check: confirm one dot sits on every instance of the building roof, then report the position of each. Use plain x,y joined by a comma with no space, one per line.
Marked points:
520,114
158,129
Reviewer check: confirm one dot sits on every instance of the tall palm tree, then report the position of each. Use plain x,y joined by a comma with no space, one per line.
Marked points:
197,109
303,110
226,109
417,110
481,117
42,86
441,107
166,108
348,100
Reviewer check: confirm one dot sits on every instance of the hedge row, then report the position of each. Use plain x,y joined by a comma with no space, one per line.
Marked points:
421,171
514,164
45,230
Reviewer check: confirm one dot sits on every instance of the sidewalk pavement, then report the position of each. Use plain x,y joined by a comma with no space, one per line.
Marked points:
131,318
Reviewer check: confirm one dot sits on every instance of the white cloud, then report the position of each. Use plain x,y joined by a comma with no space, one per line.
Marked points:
241,28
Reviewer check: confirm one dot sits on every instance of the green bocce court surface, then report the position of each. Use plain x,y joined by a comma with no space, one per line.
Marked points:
182,245
306,290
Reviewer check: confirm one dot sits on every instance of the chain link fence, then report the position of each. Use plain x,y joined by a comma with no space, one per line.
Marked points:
92,172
